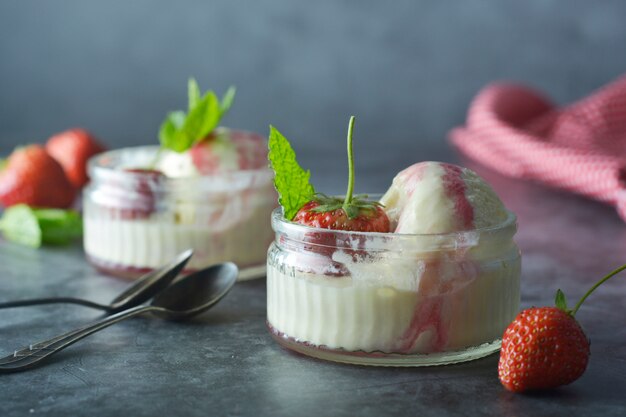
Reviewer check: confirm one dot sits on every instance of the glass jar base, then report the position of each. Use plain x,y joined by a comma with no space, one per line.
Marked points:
385,359
246,273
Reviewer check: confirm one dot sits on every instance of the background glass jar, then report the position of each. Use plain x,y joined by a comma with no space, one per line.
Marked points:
137,220
392,299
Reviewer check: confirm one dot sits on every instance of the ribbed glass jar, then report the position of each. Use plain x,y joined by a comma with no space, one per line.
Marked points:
135,221
392,299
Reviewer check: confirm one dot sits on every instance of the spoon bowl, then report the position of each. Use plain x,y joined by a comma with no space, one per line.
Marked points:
151,283
195,293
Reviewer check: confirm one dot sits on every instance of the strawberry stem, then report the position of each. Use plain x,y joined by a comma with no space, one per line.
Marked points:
348,198
597,284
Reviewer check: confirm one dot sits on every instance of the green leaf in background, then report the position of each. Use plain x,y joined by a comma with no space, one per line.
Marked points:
169,127
202,119
227,100
34,227
193,92
180,131
291,181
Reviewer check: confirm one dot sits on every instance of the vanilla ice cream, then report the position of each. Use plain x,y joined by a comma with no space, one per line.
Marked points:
224,151
435,197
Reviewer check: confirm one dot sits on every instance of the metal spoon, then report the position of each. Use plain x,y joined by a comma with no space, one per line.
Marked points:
140,291
188,297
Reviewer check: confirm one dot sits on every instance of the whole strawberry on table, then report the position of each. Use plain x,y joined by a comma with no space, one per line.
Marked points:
545,347
38,184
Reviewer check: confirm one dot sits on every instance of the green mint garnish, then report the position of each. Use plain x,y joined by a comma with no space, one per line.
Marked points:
193,93
290,180
34,227
180,131
227,100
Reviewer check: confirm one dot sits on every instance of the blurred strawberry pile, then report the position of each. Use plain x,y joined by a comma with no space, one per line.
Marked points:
37,184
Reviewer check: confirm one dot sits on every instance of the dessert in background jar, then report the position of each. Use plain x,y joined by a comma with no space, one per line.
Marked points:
207,188
428,274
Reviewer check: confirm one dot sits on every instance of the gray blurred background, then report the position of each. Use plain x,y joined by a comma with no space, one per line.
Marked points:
407,68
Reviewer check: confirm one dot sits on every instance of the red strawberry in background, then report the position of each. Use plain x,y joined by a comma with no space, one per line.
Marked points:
31,176
545,347
225,150
72,148
146,186
132,194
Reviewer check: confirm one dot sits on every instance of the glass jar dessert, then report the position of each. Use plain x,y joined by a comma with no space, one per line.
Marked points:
390,298
136,219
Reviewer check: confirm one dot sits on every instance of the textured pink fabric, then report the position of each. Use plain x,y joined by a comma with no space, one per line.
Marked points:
581,148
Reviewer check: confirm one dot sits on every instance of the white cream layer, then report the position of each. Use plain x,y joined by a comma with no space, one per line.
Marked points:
360,314
148,243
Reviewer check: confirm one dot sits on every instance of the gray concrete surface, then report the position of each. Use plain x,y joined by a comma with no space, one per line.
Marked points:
225,363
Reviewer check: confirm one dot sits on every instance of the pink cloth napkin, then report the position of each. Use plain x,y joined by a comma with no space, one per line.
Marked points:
581,148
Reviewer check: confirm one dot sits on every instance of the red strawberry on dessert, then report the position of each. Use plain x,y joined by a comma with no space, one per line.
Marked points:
545,347
316,213
225,150
147,184
132,195
31,176
72,148
303,205
352,213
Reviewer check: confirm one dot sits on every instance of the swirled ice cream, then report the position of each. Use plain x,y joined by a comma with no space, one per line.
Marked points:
435,197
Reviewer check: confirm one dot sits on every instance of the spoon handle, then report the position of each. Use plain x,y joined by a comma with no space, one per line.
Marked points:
30,356
53,300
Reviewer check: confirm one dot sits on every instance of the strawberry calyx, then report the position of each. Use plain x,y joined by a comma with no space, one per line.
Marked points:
357,205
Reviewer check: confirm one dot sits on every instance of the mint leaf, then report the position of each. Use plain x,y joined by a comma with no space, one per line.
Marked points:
180,131
290,180
200,121
227,100
193,93
169,127
34,227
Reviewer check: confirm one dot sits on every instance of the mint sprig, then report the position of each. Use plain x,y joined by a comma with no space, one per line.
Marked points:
290,180
180,131
33,227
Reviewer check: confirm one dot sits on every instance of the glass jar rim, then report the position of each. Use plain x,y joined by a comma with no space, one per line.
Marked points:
106,167
397,241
